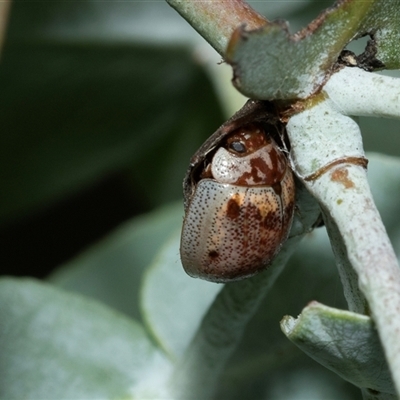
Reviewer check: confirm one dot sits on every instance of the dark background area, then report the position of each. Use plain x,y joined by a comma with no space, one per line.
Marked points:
36,244
95,130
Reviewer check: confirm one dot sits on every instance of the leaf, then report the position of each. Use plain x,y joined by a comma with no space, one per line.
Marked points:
269,63
384,22
344,342
111,271
172,303
62,346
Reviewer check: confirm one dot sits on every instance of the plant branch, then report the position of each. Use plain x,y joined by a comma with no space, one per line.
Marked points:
368,249
216,20
358,92
320,137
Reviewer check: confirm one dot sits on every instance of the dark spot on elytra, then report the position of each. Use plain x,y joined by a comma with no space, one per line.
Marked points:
213,254
233,209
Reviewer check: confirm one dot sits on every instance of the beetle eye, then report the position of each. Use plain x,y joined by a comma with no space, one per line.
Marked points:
238,147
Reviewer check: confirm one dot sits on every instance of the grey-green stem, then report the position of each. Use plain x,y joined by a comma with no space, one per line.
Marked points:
321,136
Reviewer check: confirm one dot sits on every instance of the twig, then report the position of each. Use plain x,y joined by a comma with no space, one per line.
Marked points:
321,136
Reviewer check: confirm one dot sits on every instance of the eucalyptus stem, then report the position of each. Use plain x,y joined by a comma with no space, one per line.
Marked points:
216,20
370,253
358,92
327,153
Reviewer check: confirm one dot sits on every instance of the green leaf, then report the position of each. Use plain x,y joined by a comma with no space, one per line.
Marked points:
384,21
172,303
111,270
342,341
55,345
269,63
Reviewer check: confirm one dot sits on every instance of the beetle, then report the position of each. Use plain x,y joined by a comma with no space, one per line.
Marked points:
239,199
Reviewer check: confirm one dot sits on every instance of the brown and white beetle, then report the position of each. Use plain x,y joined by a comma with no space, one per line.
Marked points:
239,199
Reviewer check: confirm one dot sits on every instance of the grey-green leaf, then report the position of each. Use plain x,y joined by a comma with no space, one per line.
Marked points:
344,342
55,345
111,271
172,303
270,63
